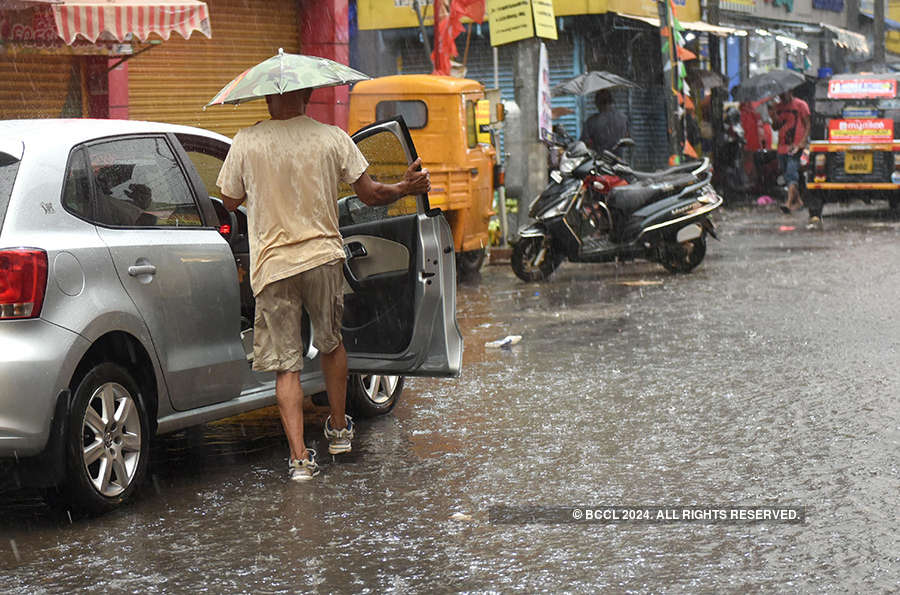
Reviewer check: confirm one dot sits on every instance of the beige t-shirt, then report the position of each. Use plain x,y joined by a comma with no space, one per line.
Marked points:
290,171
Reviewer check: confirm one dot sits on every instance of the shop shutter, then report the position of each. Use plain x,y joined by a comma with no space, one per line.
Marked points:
39,86
174,80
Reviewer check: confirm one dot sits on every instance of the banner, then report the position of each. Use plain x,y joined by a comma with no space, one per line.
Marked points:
879,130
545,112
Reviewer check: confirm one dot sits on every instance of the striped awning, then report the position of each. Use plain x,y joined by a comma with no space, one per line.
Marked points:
119,18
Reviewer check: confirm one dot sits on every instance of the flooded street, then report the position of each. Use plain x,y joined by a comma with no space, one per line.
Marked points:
768,377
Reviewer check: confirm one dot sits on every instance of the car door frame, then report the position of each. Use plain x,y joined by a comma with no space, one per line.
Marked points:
435,347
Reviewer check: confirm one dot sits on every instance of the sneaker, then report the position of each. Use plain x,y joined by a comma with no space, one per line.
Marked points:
339,440
814,223
303,469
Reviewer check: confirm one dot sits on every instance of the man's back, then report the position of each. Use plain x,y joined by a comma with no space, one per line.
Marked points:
604,129
290,170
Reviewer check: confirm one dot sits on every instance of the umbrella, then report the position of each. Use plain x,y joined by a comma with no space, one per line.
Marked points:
767,84
283,73
708,79
591,82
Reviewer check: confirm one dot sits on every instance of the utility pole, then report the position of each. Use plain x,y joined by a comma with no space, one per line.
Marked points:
852,15
670,78
532,151
878,37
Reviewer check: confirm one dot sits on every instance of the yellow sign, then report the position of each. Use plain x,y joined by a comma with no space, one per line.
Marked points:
397,14
510,20
483,121
544,19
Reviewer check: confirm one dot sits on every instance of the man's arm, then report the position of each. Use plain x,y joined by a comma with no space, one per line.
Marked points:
377,194
232,203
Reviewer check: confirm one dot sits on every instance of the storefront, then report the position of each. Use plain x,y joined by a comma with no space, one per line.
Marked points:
55,55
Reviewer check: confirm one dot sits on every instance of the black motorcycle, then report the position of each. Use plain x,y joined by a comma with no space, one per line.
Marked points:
587,213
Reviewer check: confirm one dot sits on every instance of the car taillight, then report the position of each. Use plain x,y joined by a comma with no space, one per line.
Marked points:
23,280
225,230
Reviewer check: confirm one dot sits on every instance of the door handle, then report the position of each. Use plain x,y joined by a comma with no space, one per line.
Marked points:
141,269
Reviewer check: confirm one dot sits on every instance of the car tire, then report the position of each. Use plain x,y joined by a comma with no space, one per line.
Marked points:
108,440
371,395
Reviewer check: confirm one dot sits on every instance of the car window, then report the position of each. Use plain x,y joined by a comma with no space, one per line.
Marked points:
208,167
9,167
387,164
77,188
415,112
139,183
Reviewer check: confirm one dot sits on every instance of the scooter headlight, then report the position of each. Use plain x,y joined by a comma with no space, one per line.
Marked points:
568,164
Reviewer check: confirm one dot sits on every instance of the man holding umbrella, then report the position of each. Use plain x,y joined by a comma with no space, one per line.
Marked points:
791,118
287,171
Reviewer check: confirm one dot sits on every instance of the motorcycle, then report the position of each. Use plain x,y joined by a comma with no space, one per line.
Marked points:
596,208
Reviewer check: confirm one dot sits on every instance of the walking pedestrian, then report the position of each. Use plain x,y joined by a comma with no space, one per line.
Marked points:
287,170
791,119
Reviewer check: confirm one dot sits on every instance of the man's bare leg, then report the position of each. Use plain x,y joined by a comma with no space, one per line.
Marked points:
334,367
289,394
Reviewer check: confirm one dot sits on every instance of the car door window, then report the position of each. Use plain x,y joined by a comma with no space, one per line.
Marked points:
77,189
139,183
387,164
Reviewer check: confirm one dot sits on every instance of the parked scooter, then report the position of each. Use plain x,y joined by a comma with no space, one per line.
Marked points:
586,215
730,177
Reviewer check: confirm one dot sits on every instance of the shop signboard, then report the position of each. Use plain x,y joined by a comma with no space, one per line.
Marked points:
514,20
869,130
862,88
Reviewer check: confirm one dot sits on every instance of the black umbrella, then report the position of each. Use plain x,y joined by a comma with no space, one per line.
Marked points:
767,84
591,82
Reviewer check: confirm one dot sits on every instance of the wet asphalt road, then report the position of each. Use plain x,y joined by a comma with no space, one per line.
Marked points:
768,377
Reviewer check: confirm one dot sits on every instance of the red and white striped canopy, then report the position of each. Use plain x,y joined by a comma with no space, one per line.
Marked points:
90,18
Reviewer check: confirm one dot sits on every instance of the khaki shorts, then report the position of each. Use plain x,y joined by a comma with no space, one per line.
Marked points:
277,338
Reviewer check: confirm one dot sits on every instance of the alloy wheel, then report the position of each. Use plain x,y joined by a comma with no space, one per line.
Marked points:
111,439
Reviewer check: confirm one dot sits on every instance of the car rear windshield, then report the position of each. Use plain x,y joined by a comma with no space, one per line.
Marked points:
9,167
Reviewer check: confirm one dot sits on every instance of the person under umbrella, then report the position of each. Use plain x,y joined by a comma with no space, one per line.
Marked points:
607,127
286,170
791,118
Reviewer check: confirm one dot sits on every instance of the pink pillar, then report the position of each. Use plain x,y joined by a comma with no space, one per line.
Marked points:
325,32
118,90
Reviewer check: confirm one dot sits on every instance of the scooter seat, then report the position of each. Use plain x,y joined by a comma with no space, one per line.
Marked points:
631,197
664,173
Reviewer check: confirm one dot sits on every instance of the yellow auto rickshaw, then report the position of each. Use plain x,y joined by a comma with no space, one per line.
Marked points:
449,121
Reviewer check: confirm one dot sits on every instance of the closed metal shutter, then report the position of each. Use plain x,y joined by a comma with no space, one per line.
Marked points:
40,86
174,80
561,54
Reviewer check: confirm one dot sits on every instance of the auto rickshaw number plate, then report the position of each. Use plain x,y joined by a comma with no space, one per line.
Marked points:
859,162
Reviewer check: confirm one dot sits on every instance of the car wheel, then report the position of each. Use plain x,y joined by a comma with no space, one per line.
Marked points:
370,395
108,440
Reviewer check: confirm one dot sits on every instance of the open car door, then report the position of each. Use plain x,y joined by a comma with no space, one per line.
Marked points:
400,271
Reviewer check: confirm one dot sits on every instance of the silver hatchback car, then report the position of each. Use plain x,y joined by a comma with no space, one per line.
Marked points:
125,306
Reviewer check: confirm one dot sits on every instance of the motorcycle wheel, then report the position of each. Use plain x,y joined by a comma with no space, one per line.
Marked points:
683,257
523,257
